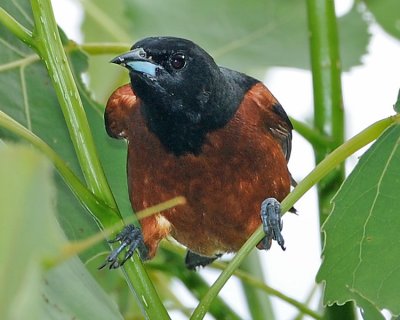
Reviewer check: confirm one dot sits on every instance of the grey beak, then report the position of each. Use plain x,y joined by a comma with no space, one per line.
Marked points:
136,60
135,55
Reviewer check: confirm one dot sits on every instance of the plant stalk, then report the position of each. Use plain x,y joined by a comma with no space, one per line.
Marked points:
328,105
50,49
258,302
16,28
320,171
328,109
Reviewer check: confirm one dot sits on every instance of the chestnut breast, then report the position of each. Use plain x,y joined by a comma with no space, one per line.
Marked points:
240,165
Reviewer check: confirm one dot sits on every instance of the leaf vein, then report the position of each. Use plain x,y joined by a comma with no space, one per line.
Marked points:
19,63
13,48
370,213
26,15
25,98
384,279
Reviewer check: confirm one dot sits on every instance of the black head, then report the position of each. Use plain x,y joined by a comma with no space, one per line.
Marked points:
183,91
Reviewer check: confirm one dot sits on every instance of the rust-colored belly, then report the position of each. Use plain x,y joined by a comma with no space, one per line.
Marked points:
224,186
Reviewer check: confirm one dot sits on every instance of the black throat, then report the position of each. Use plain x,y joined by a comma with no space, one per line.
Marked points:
181,124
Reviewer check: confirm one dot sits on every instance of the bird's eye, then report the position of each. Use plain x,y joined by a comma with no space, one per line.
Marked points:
178,61
142,54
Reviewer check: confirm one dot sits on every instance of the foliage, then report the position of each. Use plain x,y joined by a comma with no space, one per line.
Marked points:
45,103
362,231
67,289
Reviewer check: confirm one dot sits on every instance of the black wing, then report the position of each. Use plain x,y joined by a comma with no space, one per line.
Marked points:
282,130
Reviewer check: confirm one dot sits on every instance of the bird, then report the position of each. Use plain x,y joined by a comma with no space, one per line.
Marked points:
216,136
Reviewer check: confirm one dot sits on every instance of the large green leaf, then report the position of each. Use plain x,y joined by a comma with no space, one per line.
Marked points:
361,256
31,235
27,231
386,13
248,36
105,22
70,292
29,98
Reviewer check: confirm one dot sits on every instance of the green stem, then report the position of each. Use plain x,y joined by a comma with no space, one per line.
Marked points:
87,199
254,282
326,69
104,48
321,170
258,302
177,252
312,136
328,106
173,266
19,63
107,23
50,49
307,302
16,28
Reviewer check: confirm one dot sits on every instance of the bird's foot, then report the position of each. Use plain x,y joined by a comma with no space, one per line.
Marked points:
272,223
130,237
194,260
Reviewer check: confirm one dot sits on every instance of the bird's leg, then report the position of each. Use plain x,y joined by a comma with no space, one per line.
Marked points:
272,223
131,237
194,260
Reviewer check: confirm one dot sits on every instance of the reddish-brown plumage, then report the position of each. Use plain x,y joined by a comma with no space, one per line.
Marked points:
239,166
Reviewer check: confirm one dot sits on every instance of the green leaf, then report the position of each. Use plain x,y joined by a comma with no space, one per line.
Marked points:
368,310
112,153
30,236
361,260
70,292
28,232
353,38
275,35
34,104
101,26
397,104
386,13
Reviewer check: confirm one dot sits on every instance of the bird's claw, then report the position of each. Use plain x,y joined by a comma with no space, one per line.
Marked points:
131,237
272,223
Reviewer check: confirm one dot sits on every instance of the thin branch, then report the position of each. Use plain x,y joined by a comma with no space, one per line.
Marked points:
246,277
87,199
321,170
314,137
50,49
104,48
19,63
328,107
16,28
